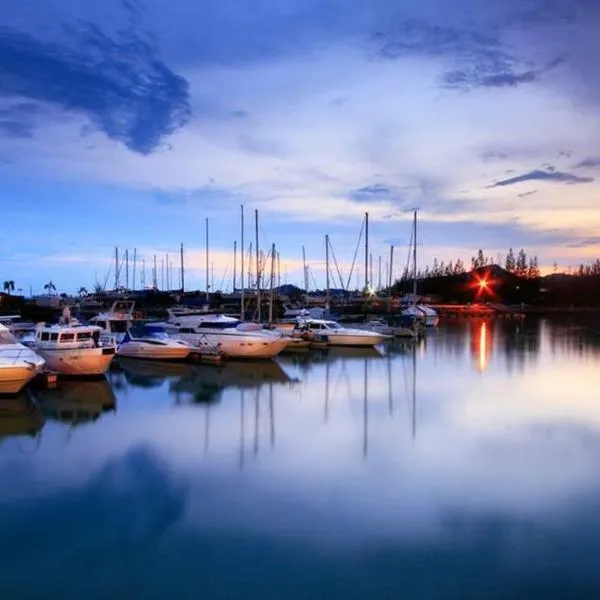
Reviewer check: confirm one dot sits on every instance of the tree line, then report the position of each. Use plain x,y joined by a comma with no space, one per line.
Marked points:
520,265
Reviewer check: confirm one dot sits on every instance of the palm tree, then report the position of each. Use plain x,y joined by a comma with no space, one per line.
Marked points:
9,286
50,287
83,291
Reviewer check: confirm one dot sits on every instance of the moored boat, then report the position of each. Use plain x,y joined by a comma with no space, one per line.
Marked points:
338,335
75,349
150,343
18,363
234,338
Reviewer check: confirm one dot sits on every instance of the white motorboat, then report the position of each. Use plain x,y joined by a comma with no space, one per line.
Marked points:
427,315
407,328
75,349
118,320
338,335
18,363
150,344
235,338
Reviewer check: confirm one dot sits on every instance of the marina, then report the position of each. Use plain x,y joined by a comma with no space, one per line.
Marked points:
311,464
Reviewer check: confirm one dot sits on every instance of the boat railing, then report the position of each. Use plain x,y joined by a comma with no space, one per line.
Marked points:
106,339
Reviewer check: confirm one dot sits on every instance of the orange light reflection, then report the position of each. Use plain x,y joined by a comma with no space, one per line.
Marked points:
483,357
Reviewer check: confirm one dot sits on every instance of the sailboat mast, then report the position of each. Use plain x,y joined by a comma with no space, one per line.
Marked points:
234,263
271,286
242,265
181,267
366,251
143,274
155,276
127,268
327,270
206,265
134,265
278,273
415,257
305,273
257,265
167,271
379,275
116,268
390,278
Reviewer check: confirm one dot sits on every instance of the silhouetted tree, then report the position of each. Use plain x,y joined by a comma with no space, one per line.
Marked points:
533,272
521,267
510,263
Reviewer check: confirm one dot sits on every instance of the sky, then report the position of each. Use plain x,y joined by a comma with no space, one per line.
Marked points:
128,123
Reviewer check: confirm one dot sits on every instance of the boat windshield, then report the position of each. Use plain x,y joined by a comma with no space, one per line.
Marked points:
332,325
157,335
6,337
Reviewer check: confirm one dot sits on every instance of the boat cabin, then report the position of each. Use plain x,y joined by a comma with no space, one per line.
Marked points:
318,325
74,336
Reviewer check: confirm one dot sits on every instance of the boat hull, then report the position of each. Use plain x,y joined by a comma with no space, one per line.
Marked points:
349,339
153,351
85,362
14,378
235,346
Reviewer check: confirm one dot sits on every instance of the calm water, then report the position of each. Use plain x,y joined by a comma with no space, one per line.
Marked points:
467,466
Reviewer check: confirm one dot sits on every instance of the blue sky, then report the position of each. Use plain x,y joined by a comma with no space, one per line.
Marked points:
129,122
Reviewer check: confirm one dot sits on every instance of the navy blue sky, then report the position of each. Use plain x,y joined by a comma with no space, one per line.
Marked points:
129,122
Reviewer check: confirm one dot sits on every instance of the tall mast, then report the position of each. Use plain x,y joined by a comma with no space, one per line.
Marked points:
162,273
155,277
379,276
207,275
415,258
390,277
371,268
134,265
167,271
143,274
116,268
305,273
181,267
272,281
366,251
257,265
327,270
242,266
234,263
127,268
278,273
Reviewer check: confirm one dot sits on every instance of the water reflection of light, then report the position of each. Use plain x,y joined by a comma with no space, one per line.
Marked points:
481,342
482,347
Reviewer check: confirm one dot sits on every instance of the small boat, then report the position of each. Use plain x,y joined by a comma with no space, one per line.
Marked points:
18,363
151,343
118,320
406,327
427,315
75,349
337,335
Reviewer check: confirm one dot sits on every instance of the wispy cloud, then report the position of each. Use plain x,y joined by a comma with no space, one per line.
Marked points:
539,175
498,74
588,163
120,83
529,193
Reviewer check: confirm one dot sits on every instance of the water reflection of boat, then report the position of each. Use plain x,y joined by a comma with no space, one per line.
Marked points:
77,402
20,415
206,382
353,352
148,374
